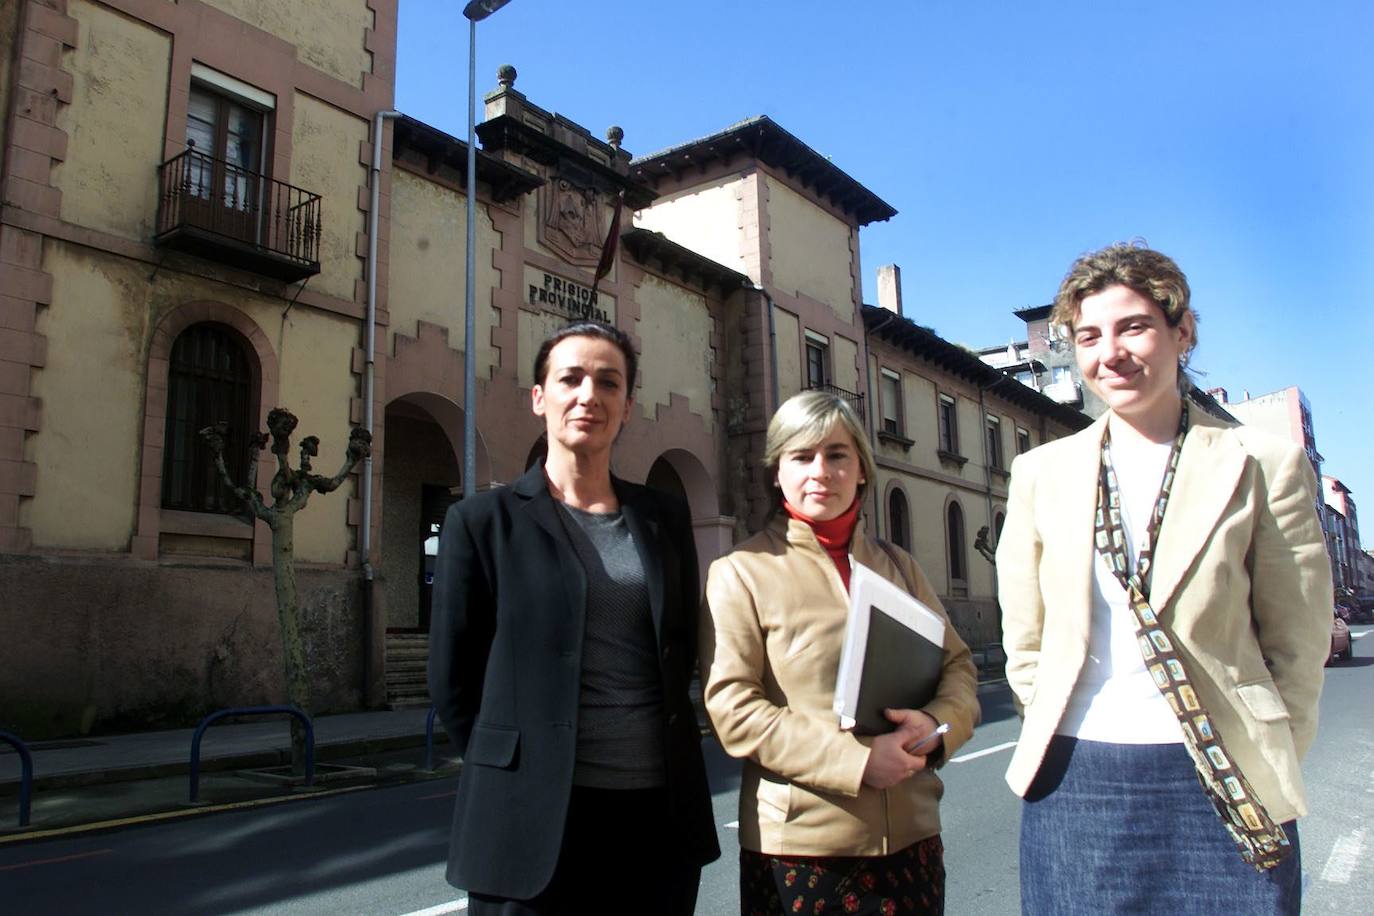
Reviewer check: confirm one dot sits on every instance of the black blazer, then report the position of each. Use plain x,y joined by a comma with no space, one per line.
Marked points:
504,671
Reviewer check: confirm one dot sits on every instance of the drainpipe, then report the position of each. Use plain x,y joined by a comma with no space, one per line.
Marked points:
872,400
370,352
772,342
987,480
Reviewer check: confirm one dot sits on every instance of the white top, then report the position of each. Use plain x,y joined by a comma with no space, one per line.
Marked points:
1115,699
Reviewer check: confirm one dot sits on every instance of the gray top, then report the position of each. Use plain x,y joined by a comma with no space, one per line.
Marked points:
620,718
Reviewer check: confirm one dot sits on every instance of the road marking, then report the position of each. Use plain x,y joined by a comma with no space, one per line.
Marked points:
1344,858
453,906
448,794
733,825
71,858
963,758
158,816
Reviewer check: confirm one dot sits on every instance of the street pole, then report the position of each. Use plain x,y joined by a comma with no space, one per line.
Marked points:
475,11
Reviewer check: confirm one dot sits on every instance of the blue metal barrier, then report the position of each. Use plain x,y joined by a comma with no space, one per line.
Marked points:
252,711
429,737
25,774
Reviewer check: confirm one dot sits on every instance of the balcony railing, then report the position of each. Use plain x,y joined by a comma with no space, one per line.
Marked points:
218,210
1065,391
855,400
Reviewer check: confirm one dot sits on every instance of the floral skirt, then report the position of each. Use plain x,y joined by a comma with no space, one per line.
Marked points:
911,880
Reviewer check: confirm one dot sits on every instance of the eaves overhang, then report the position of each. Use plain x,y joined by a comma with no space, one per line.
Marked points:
655,249
924,343
761,138
506,181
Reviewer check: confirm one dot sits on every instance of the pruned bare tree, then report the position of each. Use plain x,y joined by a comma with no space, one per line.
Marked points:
290,491
980,544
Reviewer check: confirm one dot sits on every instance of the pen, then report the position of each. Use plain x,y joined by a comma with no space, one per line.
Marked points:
940,729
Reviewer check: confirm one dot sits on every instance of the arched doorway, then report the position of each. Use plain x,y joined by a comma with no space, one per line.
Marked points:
421,478
663,477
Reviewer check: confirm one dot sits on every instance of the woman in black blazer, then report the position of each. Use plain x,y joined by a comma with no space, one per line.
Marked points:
562,642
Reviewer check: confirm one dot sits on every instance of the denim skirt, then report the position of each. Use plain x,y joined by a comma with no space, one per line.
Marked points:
1127,828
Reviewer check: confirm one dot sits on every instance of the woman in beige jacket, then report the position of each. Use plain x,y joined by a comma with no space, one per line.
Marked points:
1166,604
829,822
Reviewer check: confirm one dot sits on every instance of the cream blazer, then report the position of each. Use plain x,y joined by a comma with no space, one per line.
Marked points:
770,649
1241,578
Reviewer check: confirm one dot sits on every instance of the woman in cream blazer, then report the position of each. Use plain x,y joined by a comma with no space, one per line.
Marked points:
1114,819
828,822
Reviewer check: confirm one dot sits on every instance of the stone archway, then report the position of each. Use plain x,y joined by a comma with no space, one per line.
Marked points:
422,474
681,473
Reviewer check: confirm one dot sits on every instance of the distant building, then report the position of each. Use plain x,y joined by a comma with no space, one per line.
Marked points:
242,222
1343,535
1044,361
947,426
1285,413
1364,563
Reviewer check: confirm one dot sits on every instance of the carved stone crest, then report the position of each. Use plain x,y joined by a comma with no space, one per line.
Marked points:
572,224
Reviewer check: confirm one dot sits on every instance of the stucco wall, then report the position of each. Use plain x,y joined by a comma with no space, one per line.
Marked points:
1272,413
844,357
809,250
531,331
922,421
328,34
324,160
427,273
706,220
675,342
114,124
92,387
787,348
317,384
9,33
128,648
92,392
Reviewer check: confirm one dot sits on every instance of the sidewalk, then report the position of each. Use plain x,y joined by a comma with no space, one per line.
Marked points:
113,780
83,781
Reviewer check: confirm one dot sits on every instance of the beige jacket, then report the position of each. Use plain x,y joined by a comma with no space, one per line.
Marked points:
770,649
1240,578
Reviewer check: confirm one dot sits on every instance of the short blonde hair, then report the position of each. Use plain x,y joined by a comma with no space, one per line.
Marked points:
805,419
1137,267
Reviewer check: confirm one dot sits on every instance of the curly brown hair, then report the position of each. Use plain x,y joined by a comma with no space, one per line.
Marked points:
1133,265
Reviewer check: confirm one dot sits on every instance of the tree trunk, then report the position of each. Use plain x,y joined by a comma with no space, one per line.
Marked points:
297,683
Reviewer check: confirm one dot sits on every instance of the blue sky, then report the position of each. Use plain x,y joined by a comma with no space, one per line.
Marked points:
1011,137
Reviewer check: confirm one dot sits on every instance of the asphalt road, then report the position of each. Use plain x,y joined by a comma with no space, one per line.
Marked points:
382,851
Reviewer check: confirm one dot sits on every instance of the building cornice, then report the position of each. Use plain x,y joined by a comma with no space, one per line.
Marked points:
923,342
762,139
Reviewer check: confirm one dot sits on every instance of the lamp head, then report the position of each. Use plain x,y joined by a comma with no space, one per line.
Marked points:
477,10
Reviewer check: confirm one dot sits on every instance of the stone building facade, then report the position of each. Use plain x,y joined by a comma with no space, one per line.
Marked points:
210,209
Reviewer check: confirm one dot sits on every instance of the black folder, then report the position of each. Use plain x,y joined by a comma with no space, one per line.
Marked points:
893,654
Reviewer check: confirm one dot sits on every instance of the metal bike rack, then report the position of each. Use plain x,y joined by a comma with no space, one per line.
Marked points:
429,737
252,711
25,774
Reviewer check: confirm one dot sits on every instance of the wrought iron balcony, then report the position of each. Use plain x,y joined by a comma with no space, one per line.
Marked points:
855,400
217,210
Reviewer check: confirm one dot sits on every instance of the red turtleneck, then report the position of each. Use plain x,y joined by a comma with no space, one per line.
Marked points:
834,535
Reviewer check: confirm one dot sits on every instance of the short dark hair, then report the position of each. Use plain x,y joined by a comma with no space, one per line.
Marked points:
588,329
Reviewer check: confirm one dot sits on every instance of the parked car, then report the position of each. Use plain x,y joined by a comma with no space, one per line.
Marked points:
1341,644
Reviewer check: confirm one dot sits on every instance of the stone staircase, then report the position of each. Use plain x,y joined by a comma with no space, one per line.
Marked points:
407,657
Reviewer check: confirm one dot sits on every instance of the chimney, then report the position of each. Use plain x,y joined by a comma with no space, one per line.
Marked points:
1219,394
890,288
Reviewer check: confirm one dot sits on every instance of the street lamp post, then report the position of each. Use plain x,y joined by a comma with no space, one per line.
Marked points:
474,12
